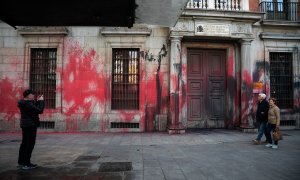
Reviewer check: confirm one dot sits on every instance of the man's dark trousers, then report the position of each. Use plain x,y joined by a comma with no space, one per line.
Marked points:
27,145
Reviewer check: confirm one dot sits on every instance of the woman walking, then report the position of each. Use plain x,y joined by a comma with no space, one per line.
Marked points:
273,122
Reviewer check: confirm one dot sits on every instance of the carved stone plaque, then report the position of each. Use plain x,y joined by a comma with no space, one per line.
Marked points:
212,29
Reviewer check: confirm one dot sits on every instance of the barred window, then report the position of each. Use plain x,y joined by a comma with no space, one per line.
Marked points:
125,79
43,74
281,78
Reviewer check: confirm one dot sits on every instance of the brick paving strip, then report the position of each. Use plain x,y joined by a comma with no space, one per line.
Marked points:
204,154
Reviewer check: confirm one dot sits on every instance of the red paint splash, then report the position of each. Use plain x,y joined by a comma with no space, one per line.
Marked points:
297,102
246,98
174,82
10,91
151,101
9,96
83,84
230,66
183,88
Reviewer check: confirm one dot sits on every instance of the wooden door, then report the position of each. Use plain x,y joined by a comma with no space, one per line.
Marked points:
206,88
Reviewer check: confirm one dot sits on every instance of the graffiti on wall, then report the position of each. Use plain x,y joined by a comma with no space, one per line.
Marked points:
233,89
11,89
297,94
161,94
10,93
247,103
152,58
178,90
83,85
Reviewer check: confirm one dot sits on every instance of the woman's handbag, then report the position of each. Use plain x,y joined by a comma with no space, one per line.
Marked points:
277,135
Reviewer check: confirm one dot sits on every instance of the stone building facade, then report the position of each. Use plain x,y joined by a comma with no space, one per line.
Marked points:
205,72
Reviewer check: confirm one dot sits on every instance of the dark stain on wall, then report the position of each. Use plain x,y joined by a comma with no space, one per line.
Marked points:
150,57
261,68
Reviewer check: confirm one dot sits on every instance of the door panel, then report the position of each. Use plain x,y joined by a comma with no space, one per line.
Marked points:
196,107
217,110
196,61
206,88
195,86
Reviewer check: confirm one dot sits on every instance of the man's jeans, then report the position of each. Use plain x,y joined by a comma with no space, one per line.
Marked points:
27,145
262,130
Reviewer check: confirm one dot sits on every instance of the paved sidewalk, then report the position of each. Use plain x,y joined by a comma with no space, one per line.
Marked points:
206,154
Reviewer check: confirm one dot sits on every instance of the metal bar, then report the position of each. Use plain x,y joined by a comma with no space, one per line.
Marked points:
281,73
280,10
43,74
125,91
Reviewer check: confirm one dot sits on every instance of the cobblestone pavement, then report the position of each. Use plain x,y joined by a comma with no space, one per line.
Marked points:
203,154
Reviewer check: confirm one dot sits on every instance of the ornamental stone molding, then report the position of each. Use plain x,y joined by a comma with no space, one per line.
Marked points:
187,27
42,31
281,36
212,29
241,28
123,31
184,25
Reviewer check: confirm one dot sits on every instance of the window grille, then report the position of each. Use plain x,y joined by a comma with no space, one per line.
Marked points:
280,10
281,78
43,74
125,79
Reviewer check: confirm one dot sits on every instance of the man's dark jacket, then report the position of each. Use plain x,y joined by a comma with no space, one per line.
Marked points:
30,111
262,111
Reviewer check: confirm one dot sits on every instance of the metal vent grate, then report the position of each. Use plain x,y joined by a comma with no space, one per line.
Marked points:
47,125
124,125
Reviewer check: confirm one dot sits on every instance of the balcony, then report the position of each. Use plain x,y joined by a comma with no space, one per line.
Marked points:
221,9
280,11
221,5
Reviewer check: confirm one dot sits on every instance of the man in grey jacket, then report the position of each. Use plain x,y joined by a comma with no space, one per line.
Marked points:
30,110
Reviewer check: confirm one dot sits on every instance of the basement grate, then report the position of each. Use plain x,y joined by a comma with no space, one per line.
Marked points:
47,125
124,125
287,123
115,166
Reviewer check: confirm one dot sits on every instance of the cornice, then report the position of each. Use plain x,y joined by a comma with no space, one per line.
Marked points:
42,31
277,23
282,36
120,31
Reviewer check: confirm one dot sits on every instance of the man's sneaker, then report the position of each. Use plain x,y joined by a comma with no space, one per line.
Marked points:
274,146
269,145
30,166
33,165
256,142
19,166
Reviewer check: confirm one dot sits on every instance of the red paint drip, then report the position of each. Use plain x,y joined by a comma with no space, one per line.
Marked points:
230,63
246,97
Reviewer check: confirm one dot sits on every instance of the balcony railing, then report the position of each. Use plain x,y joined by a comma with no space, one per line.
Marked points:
283,11
223,5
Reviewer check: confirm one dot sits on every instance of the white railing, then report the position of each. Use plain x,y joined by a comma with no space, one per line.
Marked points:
223,5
